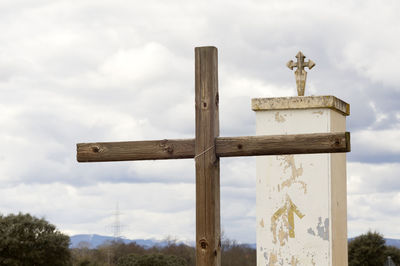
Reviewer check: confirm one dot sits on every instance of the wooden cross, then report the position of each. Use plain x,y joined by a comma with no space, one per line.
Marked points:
206,149
300,74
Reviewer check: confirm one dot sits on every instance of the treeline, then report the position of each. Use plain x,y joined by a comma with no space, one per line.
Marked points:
27,240
172,254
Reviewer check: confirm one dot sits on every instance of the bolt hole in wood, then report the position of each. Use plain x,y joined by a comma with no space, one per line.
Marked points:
166,147
203,244
204,104
239,146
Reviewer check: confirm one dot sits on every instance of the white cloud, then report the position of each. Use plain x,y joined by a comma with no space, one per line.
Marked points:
373,198
378,141
374,211
365,178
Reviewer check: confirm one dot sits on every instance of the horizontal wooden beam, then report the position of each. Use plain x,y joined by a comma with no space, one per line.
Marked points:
225,147
135,150
283,144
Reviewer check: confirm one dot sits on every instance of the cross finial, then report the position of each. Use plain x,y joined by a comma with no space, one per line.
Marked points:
300,74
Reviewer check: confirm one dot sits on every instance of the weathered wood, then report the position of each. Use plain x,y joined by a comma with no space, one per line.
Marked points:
225,147
208,243
135,150
283,144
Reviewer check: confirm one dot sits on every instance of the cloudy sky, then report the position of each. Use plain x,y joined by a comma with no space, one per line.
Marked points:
90,70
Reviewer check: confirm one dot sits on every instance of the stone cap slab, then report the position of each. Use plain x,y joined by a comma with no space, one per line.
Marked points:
300,102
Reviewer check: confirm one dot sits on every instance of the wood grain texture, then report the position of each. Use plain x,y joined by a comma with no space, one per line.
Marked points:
208,243
225,147
135,150
283,144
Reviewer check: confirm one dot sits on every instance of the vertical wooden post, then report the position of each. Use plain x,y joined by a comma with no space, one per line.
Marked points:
208,243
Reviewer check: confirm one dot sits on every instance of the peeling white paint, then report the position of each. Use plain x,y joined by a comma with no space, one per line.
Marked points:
323,230
311,231
296,232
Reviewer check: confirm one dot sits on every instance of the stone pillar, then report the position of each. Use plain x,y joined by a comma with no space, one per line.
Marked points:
301,199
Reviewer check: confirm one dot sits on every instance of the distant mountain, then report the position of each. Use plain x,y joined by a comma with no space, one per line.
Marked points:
94,241
392,242
253,245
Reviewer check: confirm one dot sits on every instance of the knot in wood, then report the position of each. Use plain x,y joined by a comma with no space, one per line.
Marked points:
203,243
336,141
96,149
166,147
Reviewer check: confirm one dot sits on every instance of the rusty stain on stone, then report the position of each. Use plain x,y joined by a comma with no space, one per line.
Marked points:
294,261
273,259
318,112
279,118
262,222
295,173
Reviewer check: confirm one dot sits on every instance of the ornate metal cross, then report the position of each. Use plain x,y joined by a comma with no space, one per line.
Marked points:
300,74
